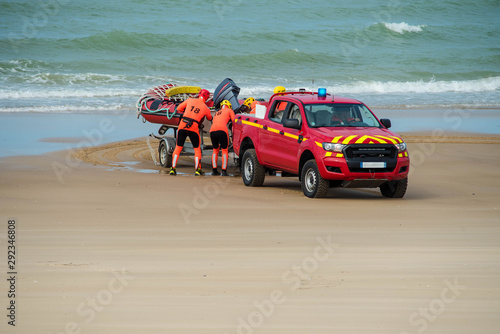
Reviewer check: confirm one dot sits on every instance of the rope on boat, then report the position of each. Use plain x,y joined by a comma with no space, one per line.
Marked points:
156,93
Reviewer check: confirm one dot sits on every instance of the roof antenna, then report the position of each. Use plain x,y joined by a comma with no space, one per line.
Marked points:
314,89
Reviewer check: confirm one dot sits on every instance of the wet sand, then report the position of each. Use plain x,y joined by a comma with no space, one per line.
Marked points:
109,243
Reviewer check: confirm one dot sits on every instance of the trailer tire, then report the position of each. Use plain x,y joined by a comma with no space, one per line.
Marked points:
313,185
252,172
164,156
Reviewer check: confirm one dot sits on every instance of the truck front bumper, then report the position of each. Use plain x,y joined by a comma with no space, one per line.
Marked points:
353,172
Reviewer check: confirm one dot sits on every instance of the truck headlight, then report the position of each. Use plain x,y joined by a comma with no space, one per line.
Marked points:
401,147
332,147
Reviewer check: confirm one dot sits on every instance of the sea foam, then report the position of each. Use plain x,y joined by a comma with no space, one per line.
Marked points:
421,86
404,27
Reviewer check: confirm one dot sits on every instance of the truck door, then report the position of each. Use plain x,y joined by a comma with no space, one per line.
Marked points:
290,139
268,136
279,144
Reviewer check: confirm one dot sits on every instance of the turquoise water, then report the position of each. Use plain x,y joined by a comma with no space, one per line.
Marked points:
88,56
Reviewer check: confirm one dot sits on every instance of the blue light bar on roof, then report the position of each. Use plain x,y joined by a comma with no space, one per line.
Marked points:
321,92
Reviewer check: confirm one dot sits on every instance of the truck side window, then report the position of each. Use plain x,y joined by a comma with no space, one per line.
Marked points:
277,113
295,113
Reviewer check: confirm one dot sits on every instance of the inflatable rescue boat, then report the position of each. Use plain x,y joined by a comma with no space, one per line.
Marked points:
158,105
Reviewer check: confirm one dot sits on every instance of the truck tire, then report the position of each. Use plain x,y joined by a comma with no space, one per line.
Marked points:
252,172
394,189
165,157
313,185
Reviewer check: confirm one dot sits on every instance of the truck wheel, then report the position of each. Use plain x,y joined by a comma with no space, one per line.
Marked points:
165,158
252,171
313,185
394,189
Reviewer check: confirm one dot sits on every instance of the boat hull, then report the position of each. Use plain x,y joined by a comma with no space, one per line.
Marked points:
161,112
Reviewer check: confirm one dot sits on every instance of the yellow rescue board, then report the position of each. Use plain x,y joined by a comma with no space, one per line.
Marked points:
182,90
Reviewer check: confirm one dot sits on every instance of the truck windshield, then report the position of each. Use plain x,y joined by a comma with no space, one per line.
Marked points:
340,115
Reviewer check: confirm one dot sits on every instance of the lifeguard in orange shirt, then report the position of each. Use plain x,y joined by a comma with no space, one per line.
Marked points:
195,109
220,137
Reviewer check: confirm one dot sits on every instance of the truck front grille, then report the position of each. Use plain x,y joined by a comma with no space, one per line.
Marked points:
363,151
355,154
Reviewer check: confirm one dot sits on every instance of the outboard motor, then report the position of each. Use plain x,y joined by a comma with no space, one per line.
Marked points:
227,90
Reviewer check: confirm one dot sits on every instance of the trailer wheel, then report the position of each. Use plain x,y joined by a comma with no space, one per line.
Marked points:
313,185
252,172
394,189
165,157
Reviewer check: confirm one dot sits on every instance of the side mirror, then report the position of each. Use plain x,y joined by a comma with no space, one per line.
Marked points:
386,122
291,123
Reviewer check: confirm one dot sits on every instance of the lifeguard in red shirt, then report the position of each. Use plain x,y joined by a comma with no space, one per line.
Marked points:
195,109
220,137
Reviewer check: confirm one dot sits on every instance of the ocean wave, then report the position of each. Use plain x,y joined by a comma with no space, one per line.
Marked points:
38,73
75,79
71,109
68,92
485,85
115,40
420,87
19,66
403,27
264,88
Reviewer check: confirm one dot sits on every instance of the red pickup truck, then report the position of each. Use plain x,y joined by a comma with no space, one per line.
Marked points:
325,140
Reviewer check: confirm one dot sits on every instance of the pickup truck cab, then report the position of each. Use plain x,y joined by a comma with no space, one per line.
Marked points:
325,140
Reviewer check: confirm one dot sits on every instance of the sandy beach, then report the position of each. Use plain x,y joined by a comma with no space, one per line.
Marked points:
107,242
97,238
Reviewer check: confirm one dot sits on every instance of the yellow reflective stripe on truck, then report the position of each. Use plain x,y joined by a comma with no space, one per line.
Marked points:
260,126
257,125
364,138
348,139
273,130
392,139
329,154
355,139
336,139
388,139
291,135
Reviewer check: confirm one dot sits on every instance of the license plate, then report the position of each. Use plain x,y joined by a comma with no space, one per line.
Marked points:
373,165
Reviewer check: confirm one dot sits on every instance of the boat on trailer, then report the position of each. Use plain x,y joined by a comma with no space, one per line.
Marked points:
159,106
